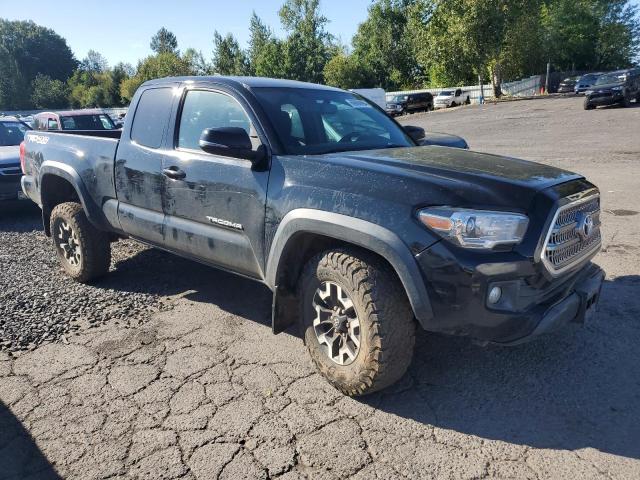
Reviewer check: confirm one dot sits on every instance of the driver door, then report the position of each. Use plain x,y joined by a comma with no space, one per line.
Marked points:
214,204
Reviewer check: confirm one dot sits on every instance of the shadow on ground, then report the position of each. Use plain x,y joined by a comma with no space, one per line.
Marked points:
575,389
19,455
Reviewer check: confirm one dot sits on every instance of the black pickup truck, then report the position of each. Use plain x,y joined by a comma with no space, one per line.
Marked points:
361,233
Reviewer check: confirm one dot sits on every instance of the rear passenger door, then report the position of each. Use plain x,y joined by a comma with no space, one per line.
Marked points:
138,168
216,210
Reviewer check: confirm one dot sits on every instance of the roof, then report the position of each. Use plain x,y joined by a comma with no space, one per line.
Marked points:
247,82
67,113
10,119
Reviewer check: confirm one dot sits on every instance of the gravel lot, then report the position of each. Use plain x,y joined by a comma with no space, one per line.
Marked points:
167,369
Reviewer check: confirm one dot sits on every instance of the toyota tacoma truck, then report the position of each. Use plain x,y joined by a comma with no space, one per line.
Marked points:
361,233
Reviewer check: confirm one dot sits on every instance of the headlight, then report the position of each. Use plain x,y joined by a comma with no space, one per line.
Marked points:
475,228
588,92
616,89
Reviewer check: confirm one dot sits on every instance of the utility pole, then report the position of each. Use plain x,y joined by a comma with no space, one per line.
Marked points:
546,81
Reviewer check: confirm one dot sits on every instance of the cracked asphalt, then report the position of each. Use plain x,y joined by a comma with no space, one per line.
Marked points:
200,388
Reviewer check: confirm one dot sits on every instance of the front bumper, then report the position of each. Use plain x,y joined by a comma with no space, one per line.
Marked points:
608,98
458,283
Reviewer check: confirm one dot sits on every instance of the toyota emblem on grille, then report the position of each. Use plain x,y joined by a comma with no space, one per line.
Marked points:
585,226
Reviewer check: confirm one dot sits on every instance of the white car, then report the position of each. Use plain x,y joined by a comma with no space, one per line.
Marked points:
452,98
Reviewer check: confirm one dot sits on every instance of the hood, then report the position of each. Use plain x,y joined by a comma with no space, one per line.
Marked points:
468,177
607,86
9,155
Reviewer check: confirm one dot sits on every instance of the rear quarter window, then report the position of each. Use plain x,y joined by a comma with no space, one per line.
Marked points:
151,117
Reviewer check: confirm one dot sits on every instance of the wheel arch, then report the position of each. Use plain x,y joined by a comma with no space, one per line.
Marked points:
60,183
304,232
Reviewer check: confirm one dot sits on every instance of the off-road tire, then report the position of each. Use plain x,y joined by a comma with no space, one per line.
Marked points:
94,244
387,324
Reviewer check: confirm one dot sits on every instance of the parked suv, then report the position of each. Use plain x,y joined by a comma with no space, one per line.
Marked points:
619,87
568,85
361,233
586,82
87,120
413,102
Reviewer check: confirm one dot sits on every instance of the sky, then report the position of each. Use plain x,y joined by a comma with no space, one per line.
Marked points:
121,30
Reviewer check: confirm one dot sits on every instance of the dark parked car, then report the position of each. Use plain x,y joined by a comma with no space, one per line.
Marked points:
361,234
414,102
568,85
586,82
614,88
87,120
12,133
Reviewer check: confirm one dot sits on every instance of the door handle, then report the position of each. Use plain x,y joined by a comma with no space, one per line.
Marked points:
174,172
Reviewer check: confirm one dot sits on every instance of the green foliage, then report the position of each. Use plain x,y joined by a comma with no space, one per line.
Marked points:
26,50
197,63
345,71
383,45
308,46
164,42
401,44
166,64
48,93
228,57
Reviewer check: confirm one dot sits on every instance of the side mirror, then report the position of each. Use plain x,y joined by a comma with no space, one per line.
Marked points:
416,133
227,141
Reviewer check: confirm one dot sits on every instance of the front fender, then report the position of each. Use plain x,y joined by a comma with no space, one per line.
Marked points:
359,232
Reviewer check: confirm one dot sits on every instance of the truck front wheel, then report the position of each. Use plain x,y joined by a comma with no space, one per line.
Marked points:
357,322
84,251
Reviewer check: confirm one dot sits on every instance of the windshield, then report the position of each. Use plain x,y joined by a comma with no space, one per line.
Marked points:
12,133
610,78
446,93
399,98
314,121
87,122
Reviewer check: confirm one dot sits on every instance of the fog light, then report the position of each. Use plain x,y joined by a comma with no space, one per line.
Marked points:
494,295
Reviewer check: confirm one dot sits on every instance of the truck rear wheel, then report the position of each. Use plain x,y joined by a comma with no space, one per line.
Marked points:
83,250
357,322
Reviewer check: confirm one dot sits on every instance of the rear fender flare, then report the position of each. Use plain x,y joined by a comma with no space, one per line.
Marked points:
91,209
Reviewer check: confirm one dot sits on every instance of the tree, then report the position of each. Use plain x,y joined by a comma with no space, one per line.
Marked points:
164,42
259,37
345,71
166,64
308,46
383,44
94,62
48,93
197,63
26,50
228,58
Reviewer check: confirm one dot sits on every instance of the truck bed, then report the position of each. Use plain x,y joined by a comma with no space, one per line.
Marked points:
89,153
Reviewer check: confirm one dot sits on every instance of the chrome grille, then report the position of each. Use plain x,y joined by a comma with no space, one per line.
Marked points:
574,234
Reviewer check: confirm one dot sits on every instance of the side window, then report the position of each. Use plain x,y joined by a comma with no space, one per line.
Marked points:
151,116
204,109
52,124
